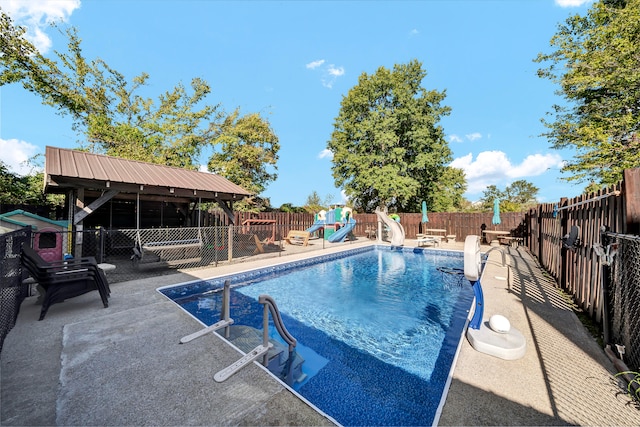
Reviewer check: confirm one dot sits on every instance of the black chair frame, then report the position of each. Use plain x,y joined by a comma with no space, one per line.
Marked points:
66,279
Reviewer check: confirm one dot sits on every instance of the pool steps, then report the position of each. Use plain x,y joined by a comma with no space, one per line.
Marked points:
225,319
218,325
254,354
272,353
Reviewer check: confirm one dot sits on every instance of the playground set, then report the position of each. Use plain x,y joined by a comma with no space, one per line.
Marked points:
337,224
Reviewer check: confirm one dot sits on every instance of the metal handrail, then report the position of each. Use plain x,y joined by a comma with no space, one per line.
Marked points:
225,319
269,302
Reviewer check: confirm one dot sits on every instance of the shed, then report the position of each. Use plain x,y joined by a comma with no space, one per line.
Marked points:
49,236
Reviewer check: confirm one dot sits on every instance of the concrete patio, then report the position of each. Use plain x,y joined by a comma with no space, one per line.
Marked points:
86,365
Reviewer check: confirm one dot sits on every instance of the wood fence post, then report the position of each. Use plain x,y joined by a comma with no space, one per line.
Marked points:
631,181
564,258
540,234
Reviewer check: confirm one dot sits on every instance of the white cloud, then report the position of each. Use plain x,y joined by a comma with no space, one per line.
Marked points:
315,64
572,3
37,15
536,164
473,136
325,154
330,72
335,71
414,32
16,153
345,198
469,137
495,168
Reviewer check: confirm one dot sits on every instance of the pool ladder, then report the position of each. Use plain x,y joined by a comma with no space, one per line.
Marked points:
269,305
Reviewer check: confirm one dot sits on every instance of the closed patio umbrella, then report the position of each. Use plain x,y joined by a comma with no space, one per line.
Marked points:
425,218
496,212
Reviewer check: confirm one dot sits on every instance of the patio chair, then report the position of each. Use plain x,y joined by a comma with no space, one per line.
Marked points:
65,279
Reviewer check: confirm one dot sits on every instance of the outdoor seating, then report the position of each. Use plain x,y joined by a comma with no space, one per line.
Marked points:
423,240
246,241
297,236
66,279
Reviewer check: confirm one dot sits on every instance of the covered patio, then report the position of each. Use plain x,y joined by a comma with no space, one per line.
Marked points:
114,193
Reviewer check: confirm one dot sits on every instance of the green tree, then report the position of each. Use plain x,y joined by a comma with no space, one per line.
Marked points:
172,131
596,65
105,107
248,153
115,120
315,203
288,207
516,197
25,190
11,186
448,191
387,146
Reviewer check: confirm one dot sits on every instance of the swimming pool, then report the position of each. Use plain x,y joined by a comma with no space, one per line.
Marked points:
377,327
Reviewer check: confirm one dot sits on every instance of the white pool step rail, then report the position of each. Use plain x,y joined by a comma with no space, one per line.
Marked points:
225,319
259,351
262,350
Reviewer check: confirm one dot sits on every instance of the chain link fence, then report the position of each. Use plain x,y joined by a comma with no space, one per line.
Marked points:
623,286
130,254
158,251
12,290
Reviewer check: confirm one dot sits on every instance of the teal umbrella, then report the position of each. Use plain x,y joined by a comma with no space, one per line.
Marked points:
496,212
425,218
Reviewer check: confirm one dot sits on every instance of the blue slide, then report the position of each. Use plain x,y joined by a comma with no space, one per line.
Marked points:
341,234
316,226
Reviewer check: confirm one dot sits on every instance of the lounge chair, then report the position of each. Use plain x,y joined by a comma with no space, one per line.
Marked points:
65,279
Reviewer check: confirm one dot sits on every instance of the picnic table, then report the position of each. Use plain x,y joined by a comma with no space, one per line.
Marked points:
490,235
438,233
247,223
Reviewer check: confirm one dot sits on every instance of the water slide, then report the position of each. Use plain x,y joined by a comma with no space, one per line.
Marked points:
395,228
341,234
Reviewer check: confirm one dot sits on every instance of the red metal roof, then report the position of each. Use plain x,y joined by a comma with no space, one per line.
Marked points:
72,168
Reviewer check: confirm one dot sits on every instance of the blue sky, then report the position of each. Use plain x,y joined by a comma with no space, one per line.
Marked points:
293,61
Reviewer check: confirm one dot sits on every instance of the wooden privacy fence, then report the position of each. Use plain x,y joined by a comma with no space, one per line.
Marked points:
456,223
578,269
601,268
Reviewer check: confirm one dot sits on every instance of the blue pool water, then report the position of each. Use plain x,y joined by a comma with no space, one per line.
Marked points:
378,328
